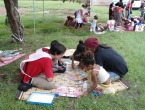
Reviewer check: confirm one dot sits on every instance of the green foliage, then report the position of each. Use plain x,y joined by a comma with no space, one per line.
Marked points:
50,27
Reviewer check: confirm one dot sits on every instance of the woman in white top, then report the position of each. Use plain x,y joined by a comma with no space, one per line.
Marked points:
79,17
99,75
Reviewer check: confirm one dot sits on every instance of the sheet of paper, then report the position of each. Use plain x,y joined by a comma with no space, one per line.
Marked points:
41,97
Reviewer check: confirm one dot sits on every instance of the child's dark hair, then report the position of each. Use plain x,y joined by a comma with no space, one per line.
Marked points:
80,47
54,42
84,5
111,5
88,58
95,17
132,19
56,48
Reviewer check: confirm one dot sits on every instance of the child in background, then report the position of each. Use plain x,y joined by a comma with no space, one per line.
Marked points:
99,76
78,54
69,21
111,24
130,26
94,23
58,65
1,60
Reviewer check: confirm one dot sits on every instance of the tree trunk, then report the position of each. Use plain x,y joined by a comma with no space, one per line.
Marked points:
14,20
15,3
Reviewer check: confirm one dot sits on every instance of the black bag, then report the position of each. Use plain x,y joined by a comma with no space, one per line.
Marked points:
24,87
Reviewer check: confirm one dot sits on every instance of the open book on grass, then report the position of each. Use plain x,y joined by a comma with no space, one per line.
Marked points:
67,91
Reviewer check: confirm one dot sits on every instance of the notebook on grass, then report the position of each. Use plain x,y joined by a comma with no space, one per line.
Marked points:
67,91
41,98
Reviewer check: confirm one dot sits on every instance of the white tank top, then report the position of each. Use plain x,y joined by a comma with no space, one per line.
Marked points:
103,75
94,23
79,17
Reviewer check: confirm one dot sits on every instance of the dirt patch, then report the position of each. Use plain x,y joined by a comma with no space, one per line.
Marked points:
16,79
21,10
25,10
2,77
61,12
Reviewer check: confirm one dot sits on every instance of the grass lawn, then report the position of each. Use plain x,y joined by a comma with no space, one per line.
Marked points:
50,27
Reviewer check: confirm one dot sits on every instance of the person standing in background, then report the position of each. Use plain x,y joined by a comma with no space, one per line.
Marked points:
119,4
111,15
118,15
128,9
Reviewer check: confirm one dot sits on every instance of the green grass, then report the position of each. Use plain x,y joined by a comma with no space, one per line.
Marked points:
129,44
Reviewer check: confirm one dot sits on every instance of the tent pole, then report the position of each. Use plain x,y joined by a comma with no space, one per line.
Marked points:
92,7
34,16
43,8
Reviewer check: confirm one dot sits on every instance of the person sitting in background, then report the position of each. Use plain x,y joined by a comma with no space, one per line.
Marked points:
130,25
1,60
69,21
108,58
111,24
79,17
94,23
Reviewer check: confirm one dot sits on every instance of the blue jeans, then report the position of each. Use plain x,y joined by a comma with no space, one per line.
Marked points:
59,71
128,14
113,76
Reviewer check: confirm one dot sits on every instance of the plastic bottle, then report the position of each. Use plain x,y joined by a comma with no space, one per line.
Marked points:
85,86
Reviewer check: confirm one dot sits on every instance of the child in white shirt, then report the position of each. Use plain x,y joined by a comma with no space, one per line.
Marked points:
94,24
111,24
99,78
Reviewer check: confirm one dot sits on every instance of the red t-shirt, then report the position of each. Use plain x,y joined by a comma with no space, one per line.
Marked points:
117,9
34,68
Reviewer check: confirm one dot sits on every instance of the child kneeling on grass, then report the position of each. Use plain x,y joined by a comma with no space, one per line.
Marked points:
78,54
99,76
